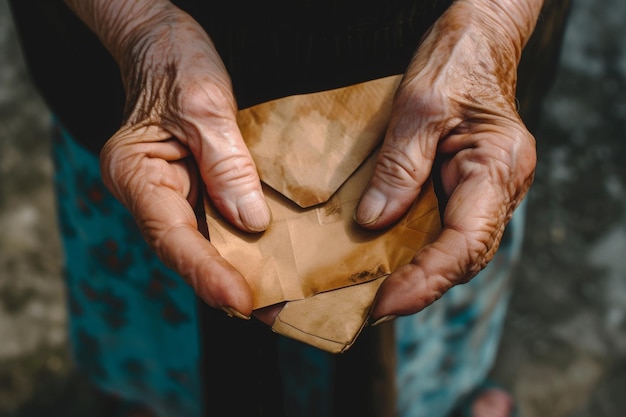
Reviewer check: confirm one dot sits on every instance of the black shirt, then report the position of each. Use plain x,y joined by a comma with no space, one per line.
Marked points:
270,48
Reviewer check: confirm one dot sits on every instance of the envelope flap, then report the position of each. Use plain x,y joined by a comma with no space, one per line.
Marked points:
331,320
306,146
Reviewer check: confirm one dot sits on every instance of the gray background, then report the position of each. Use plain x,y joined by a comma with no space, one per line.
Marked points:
564,347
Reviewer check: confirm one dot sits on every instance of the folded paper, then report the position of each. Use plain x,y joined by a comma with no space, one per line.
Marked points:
315,154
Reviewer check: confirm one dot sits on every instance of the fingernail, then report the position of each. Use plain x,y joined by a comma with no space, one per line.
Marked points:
234,313
253,212
371,207
383,319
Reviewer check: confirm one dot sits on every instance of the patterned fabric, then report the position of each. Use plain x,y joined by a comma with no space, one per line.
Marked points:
446,350
134,323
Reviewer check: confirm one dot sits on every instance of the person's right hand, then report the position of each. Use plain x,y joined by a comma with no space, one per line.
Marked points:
180,120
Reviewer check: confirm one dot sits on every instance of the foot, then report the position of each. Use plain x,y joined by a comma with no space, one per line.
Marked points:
493,402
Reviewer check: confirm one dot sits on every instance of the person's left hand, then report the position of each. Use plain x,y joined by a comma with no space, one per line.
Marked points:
456,102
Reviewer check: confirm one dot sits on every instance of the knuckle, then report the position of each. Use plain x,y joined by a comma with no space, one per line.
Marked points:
123,168
527,155
396,169
207,98
233,171
116,167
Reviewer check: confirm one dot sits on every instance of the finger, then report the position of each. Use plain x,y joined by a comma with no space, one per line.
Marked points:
473,226
155,191
169,149
226,166
404,162
268,314
170,227
213,279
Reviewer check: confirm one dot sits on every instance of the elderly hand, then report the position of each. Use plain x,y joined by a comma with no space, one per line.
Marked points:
180,122
456,103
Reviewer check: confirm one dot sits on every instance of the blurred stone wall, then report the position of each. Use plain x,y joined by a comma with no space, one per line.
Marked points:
564,347
31,293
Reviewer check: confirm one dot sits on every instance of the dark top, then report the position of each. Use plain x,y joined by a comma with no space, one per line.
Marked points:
270,48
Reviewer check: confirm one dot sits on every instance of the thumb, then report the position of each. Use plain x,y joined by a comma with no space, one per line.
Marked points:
230,175
404,163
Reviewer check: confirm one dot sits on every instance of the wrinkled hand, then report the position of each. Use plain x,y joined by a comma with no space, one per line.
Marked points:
181,119
457,103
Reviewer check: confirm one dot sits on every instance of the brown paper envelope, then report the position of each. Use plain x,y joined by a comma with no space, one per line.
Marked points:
317,151
306,146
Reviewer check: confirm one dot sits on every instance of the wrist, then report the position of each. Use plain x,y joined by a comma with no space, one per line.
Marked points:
513,19
119,23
